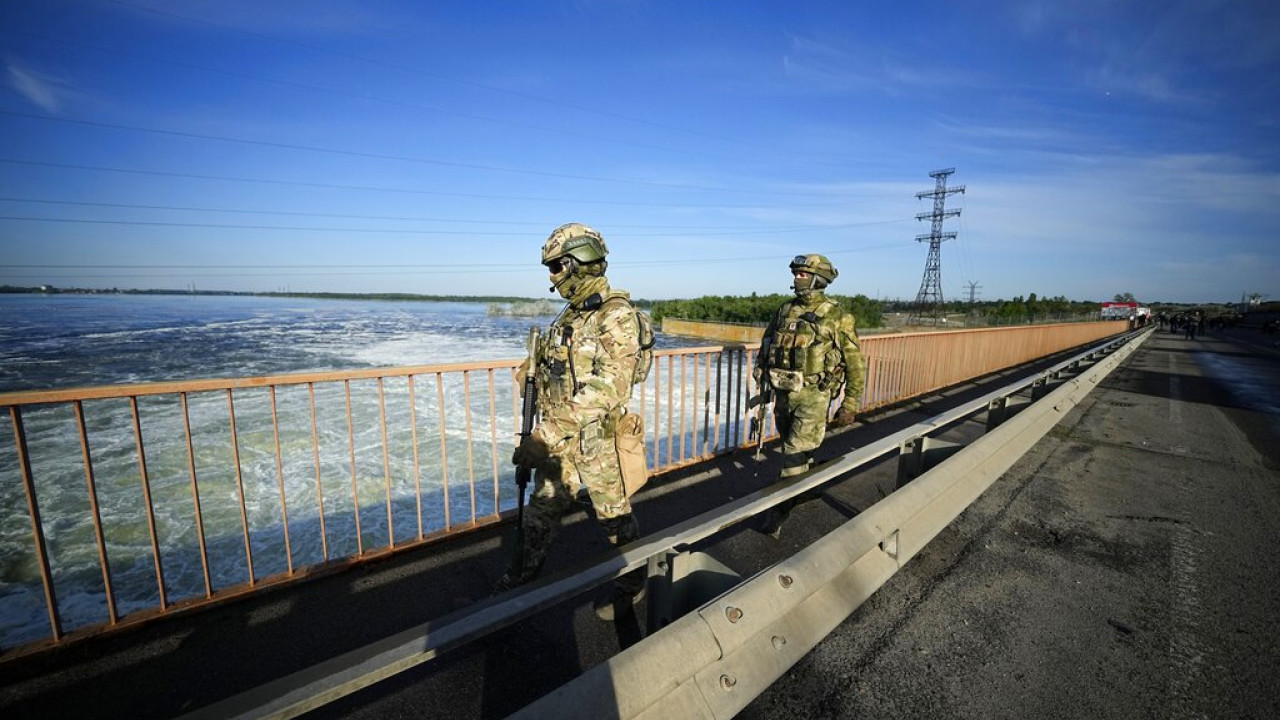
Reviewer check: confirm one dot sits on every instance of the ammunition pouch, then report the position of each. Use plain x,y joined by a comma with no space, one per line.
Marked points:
786,380
628,440
595,438
829,382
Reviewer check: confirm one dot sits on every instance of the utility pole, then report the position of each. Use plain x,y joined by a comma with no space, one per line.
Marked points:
929,299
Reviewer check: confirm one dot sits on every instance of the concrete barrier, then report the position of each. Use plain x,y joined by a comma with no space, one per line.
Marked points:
724,332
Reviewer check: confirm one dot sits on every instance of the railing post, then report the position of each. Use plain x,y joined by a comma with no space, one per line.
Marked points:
680,582
315,447
37,529
1039,388
195,501
918,455
146,499
386,461
284,505
1003,408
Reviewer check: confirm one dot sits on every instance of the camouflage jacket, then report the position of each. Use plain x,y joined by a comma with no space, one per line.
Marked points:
584,368
818,338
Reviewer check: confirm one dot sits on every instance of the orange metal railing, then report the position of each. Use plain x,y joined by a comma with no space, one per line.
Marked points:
196,491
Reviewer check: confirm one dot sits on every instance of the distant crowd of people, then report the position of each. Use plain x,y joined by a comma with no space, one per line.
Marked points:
1189,324
1193,323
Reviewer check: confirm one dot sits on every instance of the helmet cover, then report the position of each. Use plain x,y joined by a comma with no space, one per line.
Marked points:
576,240
815,264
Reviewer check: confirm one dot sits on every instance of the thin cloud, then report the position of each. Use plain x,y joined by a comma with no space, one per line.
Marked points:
1015,132
45,91
1186,234
1154,52
829,67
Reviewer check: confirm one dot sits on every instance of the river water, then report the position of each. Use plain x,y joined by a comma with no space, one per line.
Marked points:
54,341
61,341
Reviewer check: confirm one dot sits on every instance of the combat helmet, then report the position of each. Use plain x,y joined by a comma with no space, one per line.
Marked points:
574,254
816,265
576,240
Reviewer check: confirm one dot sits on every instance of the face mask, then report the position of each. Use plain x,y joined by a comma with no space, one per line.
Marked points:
803,286
561,277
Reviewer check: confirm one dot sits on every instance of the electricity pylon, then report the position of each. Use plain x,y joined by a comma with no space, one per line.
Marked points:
929,299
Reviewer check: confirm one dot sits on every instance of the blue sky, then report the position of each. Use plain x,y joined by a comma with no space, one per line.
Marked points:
400,146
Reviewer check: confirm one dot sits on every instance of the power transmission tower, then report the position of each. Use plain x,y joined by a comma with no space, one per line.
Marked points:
973,291
929,299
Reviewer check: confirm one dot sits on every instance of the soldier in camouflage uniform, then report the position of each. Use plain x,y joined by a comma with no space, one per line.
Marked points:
584,368
810,353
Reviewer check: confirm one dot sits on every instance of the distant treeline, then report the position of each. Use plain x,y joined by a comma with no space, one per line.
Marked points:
756,309
753,309
1030,307
759,309
1020,309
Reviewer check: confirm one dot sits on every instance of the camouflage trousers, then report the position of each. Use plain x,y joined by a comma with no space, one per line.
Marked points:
554,494
801,417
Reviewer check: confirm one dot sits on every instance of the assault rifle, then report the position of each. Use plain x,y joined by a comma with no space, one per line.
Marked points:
761,402
528,410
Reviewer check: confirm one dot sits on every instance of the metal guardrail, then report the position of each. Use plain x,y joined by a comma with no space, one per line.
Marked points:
194,492
711,663
664,674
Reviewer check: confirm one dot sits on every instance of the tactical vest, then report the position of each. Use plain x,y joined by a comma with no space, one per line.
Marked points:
567,349
801,342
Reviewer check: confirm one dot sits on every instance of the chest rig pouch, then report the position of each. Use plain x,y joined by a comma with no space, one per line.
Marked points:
556,371
787,380
799,350
566,353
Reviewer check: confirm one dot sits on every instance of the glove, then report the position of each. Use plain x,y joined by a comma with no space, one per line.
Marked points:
843,418
521,373
531,454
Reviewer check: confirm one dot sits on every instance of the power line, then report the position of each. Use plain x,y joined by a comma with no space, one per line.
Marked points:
527,223
387,189
400,231
750,159
398,158
558,103
415,268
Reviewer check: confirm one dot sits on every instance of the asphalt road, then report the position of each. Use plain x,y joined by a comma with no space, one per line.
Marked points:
1124,568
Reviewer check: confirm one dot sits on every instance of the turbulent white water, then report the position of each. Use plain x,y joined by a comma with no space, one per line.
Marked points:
79,340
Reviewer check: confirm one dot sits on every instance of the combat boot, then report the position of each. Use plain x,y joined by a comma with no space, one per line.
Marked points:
629,588
773,519
505,583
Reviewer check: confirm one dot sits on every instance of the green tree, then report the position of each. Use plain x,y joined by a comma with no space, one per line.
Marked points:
1034,307
757,309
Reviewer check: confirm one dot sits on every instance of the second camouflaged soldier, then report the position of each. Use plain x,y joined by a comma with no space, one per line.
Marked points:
810,353
584,367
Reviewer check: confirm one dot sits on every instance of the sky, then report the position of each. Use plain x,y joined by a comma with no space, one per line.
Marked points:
399,146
